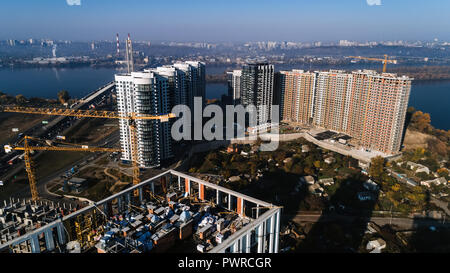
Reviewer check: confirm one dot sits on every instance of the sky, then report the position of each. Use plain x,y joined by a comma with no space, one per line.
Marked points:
226,20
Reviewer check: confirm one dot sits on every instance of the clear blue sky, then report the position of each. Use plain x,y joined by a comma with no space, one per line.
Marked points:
226,20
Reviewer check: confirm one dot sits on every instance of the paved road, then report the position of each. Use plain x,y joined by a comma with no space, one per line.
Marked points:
403,223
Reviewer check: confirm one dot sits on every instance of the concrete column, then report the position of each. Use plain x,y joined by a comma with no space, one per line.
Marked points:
179,183
152,184
260,237
140,195
248,242
257,211
61,233
34,243
264,236
229,201
49,243
218,197
240,206
271,231
119,203
277,232
187,186
128,200
201,192
236,246
106,209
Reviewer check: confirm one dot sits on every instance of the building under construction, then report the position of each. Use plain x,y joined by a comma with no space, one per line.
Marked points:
173,212
19,217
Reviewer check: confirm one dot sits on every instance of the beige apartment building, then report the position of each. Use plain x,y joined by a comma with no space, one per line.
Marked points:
368,106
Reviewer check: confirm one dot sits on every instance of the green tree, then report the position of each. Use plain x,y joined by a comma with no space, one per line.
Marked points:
63,96
376,169
422,175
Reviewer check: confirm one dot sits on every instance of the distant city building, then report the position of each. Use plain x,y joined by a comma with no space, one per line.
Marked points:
368,106
257,82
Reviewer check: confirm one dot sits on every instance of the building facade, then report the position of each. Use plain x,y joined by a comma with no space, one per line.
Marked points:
194,74
144,93
155,92
297,93
364,104
257,82
234,85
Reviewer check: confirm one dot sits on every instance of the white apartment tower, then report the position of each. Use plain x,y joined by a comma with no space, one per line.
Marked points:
194,73
155,92
144,93
236,85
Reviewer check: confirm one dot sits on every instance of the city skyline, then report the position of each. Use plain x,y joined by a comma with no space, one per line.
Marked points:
213,21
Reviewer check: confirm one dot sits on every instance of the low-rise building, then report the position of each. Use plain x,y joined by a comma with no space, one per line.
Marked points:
418,168
375,246
77,184
365,196
316,189
326,181
370,185
305,149
437,182
307,180
330,160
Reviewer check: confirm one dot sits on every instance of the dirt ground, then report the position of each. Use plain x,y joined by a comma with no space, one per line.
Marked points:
91,130
414,140
20,121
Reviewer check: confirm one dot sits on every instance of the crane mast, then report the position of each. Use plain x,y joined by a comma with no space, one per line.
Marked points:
131,117
51,146
385,61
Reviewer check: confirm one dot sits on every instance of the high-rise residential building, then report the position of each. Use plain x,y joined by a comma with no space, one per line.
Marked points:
144,93
155,92
178,86
196,80
234,85
331,100
368,106
257,82
385,110
297,94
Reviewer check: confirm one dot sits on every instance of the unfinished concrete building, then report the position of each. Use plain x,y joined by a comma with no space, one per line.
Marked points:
174,212
19,217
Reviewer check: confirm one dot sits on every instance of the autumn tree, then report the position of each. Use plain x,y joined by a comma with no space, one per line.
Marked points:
442,172
376,169
421,122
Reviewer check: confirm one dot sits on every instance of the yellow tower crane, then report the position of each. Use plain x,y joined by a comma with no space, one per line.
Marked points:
47,145
130,117
385,60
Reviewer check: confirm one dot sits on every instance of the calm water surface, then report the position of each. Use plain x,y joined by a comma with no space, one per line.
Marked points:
428,96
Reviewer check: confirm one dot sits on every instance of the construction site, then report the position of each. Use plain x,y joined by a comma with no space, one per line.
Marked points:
20,216
171,212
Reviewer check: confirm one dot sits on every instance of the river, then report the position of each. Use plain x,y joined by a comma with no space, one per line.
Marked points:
428,96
